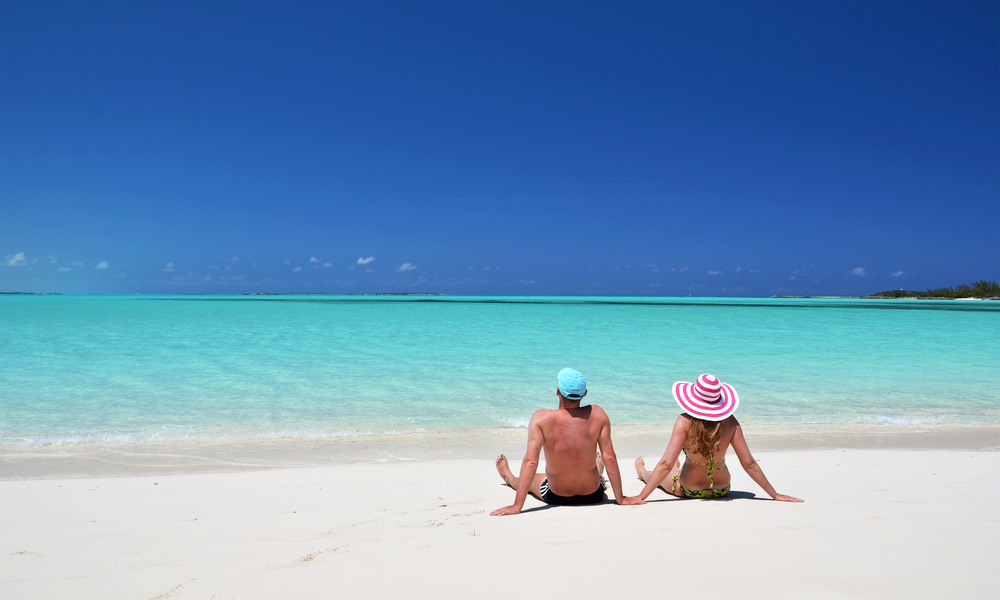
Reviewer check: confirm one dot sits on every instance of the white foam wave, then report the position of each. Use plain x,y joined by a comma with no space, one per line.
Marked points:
103,438
515,422
891,420
125,438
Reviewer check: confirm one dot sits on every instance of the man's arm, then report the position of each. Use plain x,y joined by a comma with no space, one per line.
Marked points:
529,466
610,460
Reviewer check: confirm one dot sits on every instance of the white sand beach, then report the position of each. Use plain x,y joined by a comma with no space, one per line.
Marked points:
875,524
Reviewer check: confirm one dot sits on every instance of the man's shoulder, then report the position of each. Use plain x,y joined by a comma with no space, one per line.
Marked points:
596,412
590,412
543,413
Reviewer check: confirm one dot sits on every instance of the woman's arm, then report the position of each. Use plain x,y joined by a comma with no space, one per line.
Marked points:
753,469
677,440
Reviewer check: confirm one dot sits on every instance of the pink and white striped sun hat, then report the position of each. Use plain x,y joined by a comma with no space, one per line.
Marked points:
708,398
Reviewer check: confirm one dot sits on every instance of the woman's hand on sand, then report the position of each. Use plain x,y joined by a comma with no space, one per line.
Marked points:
632,501
784,498
509,510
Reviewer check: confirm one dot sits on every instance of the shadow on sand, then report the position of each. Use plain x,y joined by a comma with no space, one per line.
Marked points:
732,495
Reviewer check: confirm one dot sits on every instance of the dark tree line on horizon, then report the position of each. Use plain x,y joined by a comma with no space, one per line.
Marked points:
979,289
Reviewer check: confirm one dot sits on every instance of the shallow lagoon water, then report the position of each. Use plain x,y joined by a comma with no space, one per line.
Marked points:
138,369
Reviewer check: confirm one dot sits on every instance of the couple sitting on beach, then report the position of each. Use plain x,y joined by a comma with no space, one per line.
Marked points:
572,434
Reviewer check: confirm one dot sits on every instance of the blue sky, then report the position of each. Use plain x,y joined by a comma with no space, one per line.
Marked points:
499,148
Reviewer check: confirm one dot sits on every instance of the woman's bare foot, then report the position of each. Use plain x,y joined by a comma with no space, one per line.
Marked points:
504,469
640,469
600,464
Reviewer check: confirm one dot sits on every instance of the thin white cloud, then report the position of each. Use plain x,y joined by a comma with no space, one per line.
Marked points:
406,267
327,265
169,268
313,259
296,269
15,261
683,269
102,265
714,273
858,272
77,264
738,269
211,267
234,259
62,269
365,261
286,262
897,274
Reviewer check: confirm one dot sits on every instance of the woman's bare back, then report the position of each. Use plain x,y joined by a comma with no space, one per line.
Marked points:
699,472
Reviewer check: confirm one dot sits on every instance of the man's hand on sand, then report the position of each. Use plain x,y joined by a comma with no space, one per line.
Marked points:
507,510
632,501
784,498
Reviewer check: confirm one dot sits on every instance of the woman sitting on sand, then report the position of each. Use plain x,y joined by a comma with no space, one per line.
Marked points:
704,432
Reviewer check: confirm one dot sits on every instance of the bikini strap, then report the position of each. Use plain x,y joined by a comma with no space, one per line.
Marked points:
711,464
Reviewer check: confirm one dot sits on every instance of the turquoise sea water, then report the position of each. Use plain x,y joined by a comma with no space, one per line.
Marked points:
139,368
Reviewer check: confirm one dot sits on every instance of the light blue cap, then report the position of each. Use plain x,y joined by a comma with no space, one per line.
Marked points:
572,385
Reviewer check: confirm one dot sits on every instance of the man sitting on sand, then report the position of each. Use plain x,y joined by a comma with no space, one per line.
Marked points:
570,436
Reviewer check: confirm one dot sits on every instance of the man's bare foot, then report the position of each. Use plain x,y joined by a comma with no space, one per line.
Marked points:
504,469
640,469
600,464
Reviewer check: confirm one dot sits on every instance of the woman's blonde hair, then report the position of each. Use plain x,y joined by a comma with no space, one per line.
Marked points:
703,436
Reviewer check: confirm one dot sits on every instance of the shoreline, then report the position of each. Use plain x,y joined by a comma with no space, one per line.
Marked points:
107,459
778,296
880,524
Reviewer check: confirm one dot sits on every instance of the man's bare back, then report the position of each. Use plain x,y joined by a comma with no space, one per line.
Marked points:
570,440
570,436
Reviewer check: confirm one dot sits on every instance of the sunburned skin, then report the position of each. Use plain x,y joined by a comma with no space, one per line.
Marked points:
570,436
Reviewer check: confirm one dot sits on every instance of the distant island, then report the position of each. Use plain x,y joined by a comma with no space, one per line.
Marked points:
982,289
328,294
